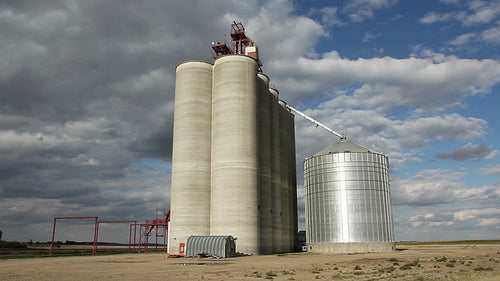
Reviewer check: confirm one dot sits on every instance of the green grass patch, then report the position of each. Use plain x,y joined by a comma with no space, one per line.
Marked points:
387,269
483,268
316,269
270,273
12,245
288,272
257,274
409,265
443,259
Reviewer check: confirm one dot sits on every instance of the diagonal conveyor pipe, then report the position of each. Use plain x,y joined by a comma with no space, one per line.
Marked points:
315,122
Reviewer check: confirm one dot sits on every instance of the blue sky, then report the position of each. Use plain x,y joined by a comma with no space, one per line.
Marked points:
86,103
448,144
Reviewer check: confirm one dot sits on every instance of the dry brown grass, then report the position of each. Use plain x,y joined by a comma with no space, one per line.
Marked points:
411,262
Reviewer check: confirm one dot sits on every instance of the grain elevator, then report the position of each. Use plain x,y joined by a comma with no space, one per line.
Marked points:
234,171
233,155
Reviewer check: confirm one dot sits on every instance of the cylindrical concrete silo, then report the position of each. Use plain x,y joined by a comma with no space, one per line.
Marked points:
234,152
190,190
292,183
264,154
275,170
284,116
348,200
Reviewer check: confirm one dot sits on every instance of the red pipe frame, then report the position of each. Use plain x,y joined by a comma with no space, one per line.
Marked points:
156,225
94,245
129,234
96,231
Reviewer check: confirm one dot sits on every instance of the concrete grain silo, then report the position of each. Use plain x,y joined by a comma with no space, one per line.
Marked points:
191,164
284,116
275,171
348,200
292,184
264,156
288,178
232,170
234,152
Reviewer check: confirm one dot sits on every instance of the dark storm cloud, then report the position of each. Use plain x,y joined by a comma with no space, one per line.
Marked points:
86,93
156,145
23,85
89,60
469,151
57,172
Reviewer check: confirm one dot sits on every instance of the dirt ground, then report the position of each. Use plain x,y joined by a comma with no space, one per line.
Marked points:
410,262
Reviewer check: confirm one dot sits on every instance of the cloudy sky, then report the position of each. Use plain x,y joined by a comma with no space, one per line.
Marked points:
87,93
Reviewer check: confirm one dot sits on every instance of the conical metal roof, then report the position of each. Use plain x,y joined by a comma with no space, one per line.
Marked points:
343,146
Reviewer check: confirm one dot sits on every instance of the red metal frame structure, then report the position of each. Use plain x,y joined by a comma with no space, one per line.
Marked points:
145,231
240,42
220,49
129,234
159,225
94,245
239,38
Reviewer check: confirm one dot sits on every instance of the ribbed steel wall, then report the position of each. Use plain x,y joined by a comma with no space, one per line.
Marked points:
251,179
191,165
348,198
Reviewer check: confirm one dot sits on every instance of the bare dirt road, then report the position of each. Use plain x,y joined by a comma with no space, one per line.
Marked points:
426,262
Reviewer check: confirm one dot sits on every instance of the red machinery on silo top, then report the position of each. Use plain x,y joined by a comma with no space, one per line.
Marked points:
241,44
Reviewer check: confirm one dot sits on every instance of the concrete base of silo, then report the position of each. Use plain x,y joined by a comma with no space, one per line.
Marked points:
354,247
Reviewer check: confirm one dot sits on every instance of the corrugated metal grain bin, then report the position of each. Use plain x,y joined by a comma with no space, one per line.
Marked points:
220,246
348,200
